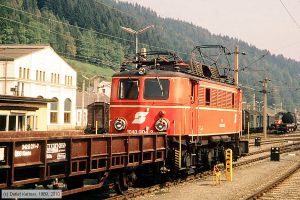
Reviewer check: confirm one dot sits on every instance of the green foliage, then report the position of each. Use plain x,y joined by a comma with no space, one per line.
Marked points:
89,70
100,40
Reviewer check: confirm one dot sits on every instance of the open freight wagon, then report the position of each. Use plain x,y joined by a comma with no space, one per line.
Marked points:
41,160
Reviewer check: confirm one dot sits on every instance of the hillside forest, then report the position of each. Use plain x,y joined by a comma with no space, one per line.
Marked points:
88,34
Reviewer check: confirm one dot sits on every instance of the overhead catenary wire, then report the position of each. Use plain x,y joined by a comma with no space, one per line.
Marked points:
255,61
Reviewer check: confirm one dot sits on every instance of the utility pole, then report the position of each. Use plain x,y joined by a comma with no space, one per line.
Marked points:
265,108
82,104
253,101
236,66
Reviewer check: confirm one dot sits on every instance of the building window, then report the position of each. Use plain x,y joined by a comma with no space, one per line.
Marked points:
44,76
37,75
28,73
78,117
20,72
12,123
3,119
54,111
41,76
67,113
68,80
24,73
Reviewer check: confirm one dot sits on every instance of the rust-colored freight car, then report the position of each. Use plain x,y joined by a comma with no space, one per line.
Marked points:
98,117
73,158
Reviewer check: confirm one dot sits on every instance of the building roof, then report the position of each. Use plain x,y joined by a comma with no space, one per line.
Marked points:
14,51
8,102
90,98
21,99
105,83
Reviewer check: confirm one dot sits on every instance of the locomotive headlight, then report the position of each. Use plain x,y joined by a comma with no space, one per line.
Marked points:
142,71
161,125
120,124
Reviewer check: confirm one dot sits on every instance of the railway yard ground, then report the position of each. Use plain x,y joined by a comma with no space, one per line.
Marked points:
255,176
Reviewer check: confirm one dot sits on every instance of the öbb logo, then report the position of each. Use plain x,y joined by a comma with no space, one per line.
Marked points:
140,117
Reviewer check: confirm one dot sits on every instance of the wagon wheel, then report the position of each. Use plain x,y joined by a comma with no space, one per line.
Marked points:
74,182
121,183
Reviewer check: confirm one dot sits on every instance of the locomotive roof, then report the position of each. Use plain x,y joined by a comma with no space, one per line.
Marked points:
163,73
202,66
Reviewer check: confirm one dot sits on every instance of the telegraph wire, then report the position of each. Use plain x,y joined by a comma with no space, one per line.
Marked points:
111,7
67,24
255,61
291,16
47,30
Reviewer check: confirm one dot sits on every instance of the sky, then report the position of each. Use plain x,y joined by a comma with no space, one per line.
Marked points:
268,24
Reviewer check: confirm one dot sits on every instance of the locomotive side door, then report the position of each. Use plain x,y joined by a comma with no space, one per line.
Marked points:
194,104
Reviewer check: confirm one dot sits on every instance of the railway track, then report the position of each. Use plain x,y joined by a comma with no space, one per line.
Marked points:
270,136
285,186
136,192
277,140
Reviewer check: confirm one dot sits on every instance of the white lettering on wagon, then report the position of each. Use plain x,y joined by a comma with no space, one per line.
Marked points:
26,150
56,151
30,146
22,153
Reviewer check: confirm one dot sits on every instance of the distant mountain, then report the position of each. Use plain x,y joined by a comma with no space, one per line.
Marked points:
89,30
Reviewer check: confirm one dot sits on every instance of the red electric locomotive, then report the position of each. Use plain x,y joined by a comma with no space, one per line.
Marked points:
199,109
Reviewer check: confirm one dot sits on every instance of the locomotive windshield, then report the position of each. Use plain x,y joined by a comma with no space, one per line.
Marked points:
156,89
128,89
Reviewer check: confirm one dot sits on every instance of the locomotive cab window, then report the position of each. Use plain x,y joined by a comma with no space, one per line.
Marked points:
156,89
128,89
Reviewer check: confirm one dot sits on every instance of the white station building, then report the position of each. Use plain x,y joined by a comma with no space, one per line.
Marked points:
38,71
